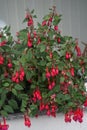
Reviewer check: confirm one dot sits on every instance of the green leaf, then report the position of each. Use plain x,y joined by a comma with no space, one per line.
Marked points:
14,91
25,20
29,75
1,90
8,109
42,47
57,19
4,113
62,79
18,87
34,16
46,17
29,55
33,86
32,11
13,103
3,96
5,84
42,63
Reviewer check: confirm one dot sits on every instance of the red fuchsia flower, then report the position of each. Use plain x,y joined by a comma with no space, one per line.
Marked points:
68,55
30,22
37,95
0,126
1,60
42,106
56,28
27,121
53,114
17,33
4,126
29,44
51,85
28,35
35,34
64,87
67,117
53,96
72,71
48,113
44,23
3,43
6,74
47,73
53,72
50,19
51,55
85,103
18,76
58,40
46,106
9,65
78,50
27,16
56,70
78,115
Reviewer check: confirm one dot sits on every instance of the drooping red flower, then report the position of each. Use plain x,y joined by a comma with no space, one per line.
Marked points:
27,121
78,115
67,118
68,55
44,23
78,50
4,125
3,43
56,28
85,103
1,60
29,44
72,71
30,22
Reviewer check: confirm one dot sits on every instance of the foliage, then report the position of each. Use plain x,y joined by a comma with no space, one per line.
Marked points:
42,71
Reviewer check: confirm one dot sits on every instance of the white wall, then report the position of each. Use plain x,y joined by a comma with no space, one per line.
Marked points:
48,123
74,19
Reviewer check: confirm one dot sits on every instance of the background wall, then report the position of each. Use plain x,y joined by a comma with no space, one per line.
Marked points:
48,123
74,14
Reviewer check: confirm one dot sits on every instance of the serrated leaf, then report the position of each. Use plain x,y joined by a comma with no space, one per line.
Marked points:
29,55
13,104
42,63
62,79
29,75
25,20
46,17
5,84
18,87
8,109
42,47
4,113
14,91
34,16
32,11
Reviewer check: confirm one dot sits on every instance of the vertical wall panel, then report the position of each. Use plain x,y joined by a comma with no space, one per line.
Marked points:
4,11
74,16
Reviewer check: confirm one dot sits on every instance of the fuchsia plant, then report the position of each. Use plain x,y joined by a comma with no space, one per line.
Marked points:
42,71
